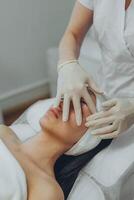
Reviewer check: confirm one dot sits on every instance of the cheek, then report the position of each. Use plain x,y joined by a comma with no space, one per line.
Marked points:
72,118
70,131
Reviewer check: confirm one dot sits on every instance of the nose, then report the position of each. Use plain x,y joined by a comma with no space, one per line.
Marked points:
58,109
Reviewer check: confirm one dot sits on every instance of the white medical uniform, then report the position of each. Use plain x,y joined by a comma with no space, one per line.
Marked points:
114,29
114,32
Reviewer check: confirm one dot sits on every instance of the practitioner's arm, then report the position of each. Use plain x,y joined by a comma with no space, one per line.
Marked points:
73,79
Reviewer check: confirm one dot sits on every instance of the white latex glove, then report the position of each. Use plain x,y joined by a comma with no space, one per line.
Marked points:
116,117
73,81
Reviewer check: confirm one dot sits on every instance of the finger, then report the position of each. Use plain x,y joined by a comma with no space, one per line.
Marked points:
77,109
113,133
57,100
89,101
100,122
109,103
93,85
99,115
120,127
110,135
104,130
66,106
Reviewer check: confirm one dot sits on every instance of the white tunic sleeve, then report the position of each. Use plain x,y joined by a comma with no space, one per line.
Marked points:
87,3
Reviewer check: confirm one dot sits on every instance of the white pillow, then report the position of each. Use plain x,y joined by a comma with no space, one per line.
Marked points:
36,111
23,131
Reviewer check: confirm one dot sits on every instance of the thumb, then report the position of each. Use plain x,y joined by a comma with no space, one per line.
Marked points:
108,104
94,87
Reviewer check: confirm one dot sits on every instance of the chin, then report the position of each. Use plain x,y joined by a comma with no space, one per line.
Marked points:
53,129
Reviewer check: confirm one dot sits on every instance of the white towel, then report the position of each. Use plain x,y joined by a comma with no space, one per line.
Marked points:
23,131
12,177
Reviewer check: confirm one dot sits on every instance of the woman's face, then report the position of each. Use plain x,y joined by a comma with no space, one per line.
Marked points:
68,132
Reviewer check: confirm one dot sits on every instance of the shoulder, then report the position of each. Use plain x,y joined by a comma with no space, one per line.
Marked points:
58,190
54,190
45,188
56,193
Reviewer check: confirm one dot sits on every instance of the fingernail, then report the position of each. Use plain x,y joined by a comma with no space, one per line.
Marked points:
97,137
78,123
54,106
64,119
92,133
86,125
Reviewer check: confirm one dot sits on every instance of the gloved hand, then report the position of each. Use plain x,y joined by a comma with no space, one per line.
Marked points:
72,85
116,117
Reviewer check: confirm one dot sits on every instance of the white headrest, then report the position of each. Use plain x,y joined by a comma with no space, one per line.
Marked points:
86,143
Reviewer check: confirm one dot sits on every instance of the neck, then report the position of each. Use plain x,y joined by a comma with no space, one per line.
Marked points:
44,150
